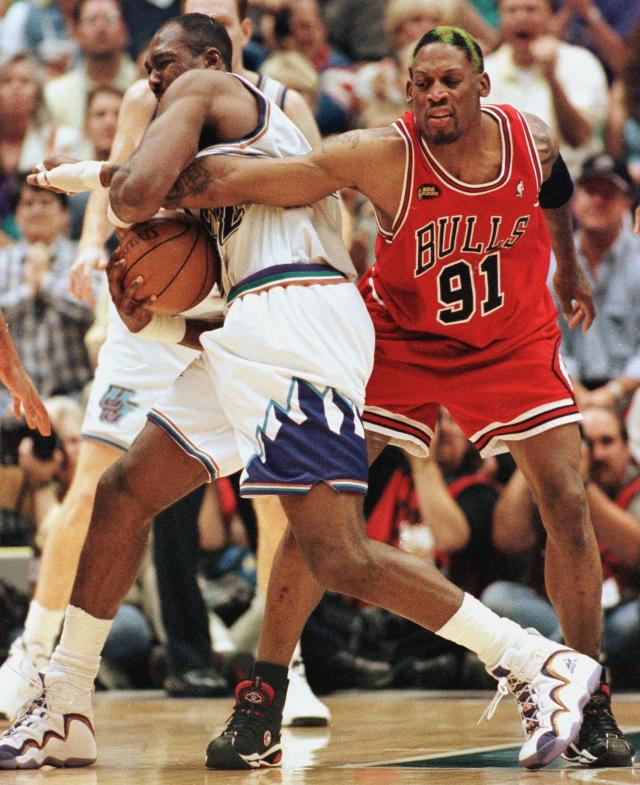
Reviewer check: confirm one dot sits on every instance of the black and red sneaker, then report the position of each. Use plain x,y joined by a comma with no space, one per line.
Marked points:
601,742
251,739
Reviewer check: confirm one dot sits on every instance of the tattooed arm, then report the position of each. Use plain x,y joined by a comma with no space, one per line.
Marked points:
221,180
569,281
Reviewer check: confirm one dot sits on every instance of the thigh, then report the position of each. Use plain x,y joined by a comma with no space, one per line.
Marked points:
191,414
290,367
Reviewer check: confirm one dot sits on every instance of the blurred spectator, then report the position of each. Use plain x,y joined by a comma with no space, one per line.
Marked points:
613,492
604,362
565,85
623,129
143,17
102,37
44,30
48,323
357,29
600,25
26,133
103,105
296,72
308,36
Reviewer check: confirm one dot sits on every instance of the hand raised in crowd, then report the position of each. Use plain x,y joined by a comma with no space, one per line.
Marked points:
36,266
134,313
88,259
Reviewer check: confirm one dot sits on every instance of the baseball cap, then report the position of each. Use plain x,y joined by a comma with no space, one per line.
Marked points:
605,166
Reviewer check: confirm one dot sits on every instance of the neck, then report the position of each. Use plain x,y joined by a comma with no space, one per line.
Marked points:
103,69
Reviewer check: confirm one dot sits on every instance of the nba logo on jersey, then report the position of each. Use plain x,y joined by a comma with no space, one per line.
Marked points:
115,403
520,189
428,191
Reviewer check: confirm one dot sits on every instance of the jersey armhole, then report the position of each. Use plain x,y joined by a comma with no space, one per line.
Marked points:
388,235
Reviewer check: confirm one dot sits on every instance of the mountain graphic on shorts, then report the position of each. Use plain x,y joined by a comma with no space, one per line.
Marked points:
318,438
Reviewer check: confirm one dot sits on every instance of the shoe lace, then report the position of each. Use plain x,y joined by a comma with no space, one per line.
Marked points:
525,698
244,721
40,707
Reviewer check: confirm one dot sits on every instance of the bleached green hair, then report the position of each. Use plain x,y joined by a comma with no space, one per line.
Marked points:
454,36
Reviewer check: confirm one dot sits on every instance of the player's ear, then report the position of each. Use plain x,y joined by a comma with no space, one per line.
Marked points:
485,85
213,58
409,90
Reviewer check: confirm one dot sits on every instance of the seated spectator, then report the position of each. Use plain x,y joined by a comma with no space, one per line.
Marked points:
604,362
27,134
565,85
623,128
48,323
103,105
613,492
102,38
42,29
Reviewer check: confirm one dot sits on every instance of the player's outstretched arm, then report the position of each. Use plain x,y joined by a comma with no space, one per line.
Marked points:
222,180
569,281
26,401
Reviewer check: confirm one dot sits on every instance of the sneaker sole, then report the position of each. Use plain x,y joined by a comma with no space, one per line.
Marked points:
70,763
231,760
583,759
551,749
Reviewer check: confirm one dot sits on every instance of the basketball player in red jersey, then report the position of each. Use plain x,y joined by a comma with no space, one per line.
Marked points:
469,201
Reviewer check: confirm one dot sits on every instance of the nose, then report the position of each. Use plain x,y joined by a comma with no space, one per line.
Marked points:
154,79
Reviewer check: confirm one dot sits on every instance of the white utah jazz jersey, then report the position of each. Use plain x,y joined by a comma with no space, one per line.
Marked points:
253,237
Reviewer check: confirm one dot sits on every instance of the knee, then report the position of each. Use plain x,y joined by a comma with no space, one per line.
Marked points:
344,569
120,495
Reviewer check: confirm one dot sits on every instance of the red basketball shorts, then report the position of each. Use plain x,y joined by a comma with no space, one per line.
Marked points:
495,395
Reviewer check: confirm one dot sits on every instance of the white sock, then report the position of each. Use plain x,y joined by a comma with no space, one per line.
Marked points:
77,655
482,631
42,626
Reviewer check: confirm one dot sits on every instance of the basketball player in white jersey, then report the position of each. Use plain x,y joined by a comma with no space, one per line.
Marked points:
130,375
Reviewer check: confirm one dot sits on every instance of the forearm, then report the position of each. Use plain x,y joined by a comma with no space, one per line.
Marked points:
575,130
615,528
437,507
560,226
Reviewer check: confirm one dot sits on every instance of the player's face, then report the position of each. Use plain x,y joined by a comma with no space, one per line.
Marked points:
609,452
167,58
445,92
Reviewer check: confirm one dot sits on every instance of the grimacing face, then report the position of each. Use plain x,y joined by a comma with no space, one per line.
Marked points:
167,59
445,92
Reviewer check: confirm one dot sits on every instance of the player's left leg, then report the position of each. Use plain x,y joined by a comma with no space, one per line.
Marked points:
573,574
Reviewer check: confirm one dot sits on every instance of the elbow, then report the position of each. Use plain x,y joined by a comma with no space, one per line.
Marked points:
134,199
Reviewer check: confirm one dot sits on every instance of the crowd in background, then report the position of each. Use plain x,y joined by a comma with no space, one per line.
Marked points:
64,68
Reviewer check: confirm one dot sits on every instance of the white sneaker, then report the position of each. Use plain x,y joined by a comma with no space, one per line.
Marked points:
551,684
55,730
19,681
302,709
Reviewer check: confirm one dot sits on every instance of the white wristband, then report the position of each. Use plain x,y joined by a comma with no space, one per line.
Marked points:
73,178
164,328
113,218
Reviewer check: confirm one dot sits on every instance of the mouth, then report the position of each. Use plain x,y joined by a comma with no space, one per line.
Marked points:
523,36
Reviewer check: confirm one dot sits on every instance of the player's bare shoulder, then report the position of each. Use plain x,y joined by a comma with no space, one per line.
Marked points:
545,140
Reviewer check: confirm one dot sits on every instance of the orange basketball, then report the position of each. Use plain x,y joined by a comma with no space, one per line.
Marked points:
176,259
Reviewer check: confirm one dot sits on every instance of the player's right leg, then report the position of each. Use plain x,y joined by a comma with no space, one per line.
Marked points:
31,651
57,728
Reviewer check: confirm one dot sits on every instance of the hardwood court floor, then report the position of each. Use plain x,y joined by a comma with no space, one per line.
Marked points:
376,738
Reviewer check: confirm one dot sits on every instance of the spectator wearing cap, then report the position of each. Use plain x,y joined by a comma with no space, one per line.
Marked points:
604,362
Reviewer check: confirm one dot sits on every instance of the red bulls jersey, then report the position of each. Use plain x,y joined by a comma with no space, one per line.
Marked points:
468,261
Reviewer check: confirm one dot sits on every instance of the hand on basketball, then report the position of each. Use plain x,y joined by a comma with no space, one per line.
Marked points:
134,312
575,297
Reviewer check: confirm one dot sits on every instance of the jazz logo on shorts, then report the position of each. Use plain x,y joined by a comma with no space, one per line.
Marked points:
115,403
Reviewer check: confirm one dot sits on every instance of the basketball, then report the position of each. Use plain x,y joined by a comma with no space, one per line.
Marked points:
176,259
